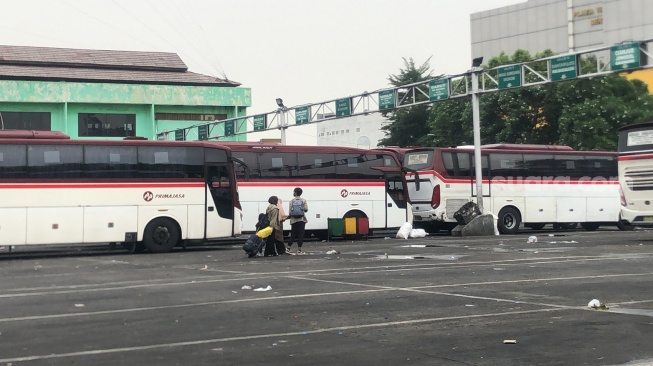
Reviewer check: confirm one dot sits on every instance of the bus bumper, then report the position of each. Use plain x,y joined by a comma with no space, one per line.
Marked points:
429,216
637,218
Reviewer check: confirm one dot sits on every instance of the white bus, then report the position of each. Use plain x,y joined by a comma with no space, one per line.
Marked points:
150,195
636,173
338,182
530,184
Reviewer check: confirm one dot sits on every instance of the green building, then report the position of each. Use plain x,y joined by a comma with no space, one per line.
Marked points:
99,94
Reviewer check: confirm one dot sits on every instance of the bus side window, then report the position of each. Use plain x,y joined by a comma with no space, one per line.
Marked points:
13,161
55,161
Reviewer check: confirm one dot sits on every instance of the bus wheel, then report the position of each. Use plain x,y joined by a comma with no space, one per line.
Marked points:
509,220
590,226
161,235
536,225
624,226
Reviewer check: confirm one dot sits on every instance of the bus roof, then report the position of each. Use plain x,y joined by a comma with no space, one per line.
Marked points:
275,146
636,126
32,134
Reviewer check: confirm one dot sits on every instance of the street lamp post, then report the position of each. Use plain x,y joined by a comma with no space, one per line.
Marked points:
476,63
282,119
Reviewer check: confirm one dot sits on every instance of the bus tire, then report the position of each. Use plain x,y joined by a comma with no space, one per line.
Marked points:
161,235
624,226
536,225
509,220
590,226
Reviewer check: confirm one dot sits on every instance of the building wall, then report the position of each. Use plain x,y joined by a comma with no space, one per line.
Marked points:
65,100
537,25
358,131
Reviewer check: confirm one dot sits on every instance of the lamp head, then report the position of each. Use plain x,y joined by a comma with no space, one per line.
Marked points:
476,62
280,103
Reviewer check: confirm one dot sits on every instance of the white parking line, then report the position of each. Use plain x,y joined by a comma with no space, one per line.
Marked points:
263,336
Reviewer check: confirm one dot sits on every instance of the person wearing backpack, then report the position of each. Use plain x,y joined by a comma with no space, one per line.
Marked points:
297,214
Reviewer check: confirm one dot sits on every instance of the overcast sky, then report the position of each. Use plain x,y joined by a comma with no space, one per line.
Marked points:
304,51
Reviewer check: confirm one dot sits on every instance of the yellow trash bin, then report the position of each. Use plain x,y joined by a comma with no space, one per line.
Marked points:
350,226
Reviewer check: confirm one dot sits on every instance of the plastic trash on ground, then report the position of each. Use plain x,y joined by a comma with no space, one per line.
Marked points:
532,239
404,230
417,233
596,304
333,251
263,289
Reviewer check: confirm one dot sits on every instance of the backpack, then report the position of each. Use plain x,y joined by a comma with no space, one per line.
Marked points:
296,208
263,221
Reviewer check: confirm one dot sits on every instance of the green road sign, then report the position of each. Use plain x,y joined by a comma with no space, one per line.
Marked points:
564,68
180,135
229,128
302,115
438,89
509,76
203,132
625,56
343,107
260,122
386,99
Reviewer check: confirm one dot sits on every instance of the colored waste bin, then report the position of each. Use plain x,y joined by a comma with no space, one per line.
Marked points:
363,226
335,226
350,226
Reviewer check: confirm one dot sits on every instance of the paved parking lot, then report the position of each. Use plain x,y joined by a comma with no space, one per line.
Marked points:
434,301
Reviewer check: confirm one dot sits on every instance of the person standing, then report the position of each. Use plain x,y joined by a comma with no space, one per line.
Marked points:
297,213
274,244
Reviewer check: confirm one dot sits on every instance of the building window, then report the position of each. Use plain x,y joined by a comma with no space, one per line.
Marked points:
106,125
189,117
39,121
358,130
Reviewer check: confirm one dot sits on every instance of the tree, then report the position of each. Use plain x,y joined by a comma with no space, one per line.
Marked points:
408,125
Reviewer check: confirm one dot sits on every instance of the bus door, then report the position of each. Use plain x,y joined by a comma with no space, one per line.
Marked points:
219,201
395,185
486,186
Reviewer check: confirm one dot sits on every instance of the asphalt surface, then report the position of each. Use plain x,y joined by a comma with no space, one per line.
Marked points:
437,300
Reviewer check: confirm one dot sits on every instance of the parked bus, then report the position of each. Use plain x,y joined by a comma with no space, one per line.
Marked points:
636,173
150,195
338,182
530,184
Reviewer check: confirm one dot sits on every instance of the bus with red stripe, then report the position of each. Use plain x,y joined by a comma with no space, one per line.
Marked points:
338,182
533,185
146,195
636,173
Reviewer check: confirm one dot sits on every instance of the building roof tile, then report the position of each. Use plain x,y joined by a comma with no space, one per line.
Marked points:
66,64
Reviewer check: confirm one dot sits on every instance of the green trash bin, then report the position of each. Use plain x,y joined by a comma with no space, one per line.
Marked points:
335,227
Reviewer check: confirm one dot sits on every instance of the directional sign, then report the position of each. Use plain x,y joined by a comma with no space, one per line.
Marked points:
229,128
438,89
260,121
386,99
509,76
625,56
180,135
203,132
564,68
302,115
343,107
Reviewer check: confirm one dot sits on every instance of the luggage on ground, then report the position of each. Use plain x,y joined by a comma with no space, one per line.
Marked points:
253,245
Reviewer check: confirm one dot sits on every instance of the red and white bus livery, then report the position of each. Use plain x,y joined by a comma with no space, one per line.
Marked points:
338,182
530,184
636,173
150,195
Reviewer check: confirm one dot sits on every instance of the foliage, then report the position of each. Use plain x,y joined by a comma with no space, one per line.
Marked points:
408,125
